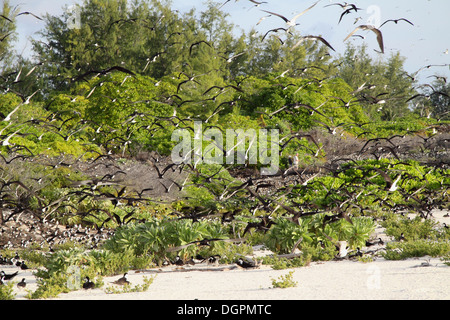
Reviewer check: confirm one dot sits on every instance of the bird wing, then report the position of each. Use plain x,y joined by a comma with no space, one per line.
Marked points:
396,20
278,15
180,247
27,12
407,21
325,42
372,28
304,11
351,33
334,4
6,18
386,177
379,38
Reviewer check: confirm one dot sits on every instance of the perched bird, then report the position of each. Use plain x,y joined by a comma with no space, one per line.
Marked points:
296,161
213,259
88,284
372,243
178,261
22,284
8,276
23,266
358,253
343,249
122,281
246,264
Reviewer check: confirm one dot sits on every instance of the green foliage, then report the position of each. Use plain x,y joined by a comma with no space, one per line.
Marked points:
360,231
355,67
128,288
446,259
172,69
412,229
7,291
416,248
284,235
8,34
64,269
157,236
285,281
273,93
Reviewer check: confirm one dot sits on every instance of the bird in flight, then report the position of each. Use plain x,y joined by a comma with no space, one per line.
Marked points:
372,28
313,38
396,21
344,5
291,23
28,13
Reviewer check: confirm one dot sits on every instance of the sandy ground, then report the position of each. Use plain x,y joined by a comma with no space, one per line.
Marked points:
421,278
341,280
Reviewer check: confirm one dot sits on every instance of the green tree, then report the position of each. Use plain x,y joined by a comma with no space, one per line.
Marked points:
7,36
439,101
135,35
380,86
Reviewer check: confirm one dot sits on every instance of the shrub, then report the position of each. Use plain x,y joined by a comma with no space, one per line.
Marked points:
7,291
412,229
128,288
285,281
64,269
282,237
157,236
416,248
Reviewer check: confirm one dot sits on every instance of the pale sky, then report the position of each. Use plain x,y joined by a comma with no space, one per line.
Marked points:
425,43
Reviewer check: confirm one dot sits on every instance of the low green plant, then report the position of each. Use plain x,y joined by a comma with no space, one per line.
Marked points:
282,237
279,263
7,291
129,288
156,237
285,281
63,270
446,259
412,229
416,248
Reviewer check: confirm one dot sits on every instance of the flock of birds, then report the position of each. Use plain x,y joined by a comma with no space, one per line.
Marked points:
347,9
14,261
21,226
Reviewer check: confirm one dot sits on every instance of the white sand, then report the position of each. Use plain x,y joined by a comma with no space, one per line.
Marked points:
380,279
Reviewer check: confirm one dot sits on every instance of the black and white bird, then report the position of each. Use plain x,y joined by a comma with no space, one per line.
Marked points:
178,261
8,276
23,266
88,284
246,264
22,284
122,281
